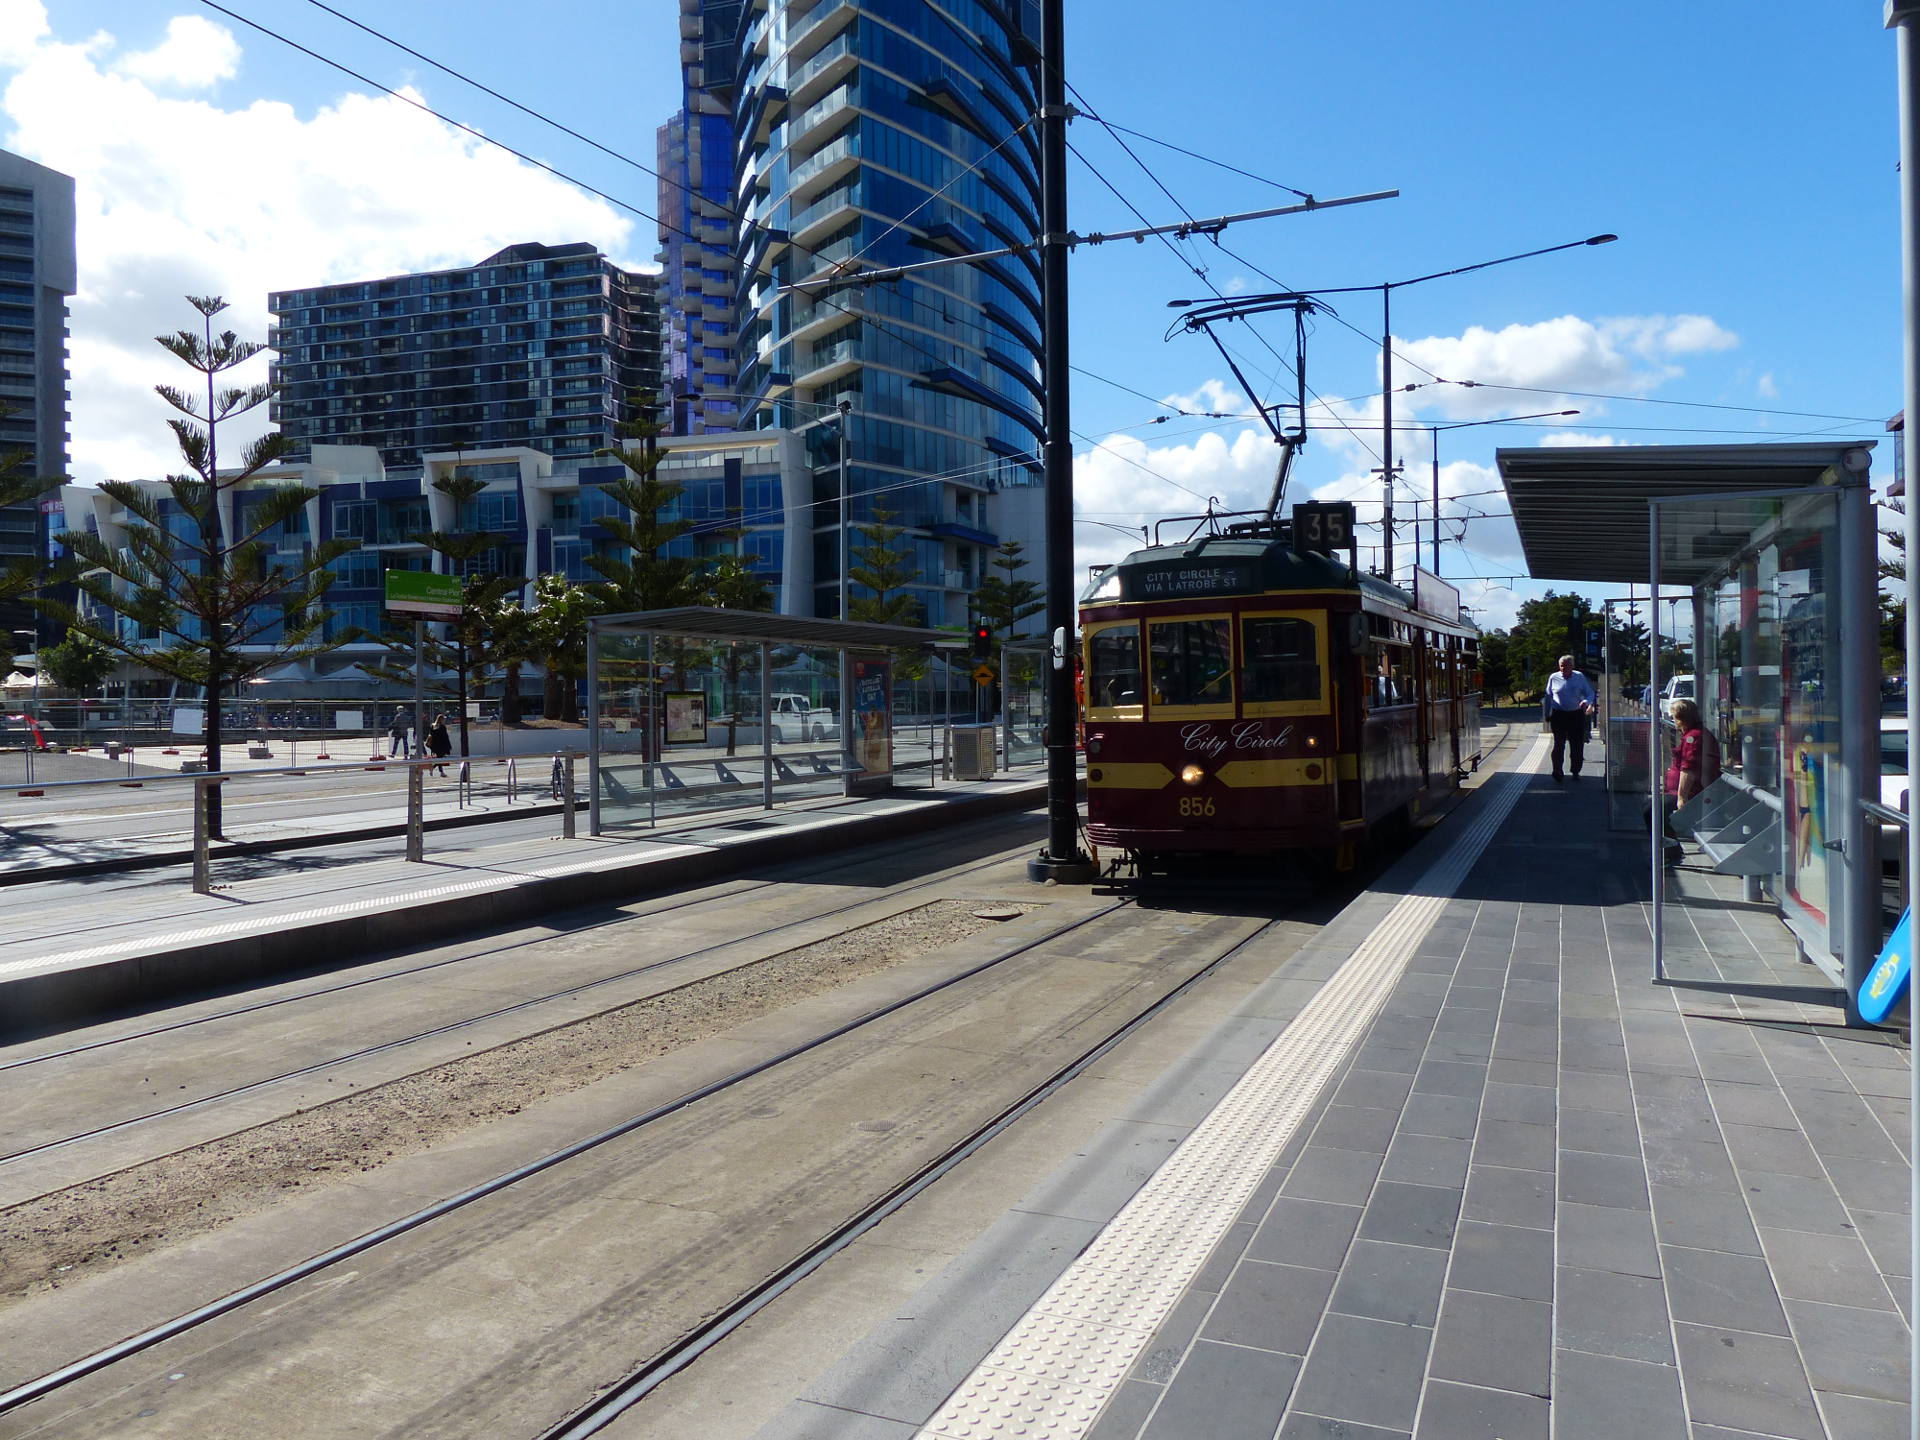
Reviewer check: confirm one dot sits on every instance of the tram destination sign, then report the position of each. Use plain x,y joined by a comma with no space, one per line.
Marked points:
1178,583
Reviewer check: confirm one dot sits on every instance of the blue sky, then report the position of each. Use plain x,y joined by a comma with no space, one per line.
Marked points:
1746,156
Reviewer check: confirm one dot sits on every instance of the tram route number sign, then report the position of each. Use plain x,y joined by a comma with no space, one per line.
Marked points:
1323,529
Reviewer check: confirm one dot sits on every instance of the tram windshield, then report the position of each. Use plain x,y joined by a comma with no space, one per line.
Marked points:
1192,662
1282,659
1113,667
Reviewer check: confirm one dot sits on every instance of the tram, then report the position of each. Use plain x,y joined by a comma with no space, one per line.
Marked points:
1249,695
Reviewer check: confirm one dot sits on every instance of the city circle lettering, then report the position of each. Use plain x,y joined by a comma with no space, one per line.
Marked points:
1201,739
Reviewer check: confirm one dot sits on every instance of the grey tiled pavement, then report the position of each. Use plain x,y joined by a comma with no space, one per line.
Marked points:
1551,1199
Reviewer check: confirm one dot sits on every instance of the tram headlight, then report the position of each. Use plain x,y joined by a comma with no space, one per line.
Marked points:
1192,775
1313,742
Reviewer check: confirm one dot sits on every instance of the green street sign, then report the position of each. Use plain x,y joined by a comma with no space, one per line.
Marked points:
419,592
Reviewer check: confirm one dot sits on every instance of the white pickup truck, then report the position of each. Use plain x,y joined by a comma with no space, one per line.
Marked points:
797,718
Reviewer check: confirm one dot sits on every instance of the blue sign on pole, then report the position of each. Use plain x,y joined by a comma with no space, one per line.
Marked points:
1888,977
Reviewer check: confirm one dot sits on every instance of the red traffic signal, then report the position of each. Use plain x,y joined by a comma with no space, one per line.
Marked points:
982,641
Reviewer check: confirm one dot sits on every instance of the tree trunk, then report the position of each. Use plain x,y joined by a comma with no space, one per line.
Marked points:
510,699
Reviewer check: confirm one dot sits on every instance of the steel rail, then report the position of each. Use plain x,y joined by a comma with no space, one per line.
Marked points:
400,1042
55,1380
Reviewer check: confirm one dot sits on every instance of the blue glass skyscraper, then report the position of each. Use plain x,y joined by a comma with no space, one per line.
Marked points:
867,135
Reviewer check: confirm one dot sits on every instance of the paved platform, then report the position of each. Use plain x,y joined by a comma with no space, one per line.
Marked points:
87,945
1459,1170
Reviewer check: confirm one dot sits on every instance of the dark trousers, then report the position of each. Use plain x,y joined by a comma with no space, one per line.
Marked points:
1569,732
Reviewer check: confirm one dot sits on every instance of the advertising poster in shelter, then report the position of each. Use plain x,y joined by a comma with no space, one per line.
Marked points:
872,717
686,717
1805,744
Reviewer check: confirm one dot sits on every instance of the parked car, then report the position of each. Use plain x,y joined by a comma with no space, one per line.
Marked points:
1678,687
795,717
1894,784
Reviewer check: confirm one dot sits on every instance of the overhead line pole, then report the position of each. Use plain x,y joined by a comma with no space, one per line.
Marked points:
1063,858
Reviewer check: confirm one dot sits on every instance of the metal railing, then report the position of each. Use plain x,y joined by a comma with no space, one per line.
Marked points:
203,786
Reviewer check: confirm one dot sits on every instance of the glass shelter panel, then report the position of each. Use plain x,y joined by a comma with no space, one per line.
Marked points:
1748,721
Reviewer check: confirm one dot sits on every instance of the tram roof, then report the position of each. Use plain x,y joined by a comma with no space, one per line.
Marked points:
1234,565
1582,511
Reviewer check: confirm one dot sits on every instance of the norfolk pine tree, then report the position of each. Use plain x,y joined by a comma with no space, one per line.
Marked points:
225,603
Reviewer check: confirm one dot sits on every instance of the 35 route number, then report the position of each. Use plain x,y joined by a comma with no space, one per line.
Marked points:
1323,528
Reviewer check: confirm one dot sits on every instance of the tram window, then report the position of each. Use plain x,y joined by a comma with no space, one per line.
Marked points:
1390,668
1192,663
1114,654
1281,660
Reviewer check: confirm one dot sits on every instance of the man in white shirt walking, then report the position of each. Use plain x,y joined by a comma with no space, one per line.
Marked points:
1569,707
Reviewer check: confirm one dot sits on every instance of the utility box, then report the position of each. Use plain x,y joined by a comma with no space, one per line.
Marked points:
974,749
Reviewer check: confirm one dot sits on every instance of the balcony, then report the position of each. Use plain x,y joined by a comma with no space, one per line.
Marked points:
828,363
820,73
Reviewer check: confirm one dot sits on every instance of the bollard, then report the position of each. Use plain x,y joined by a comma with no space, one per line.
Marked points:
566,795
416,806
202,860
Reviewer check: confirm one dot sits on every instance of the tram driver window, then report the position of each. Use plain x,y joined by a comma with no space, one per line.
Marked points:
1281,660
1192,663
1114,656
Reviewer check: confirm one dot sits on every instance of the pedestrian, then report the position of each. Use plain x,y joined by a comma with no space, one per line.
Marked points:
397,736
1695,765
1568,710
439,743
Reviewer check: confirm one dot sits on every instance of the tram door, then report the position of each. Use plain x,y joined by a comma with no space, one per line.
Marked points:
1347,659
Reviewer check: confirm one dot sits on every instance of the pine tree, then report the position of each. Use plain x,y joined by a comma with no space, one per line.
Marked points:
646,577
885,567
227,600
1003,600
556,641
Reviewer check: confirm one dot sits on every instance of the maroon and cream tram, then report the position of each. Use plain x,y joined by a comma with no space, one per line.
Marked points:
1245,696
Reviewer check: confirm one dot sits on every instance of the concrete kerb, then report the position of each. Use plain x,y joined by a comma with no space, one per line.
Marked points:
273,948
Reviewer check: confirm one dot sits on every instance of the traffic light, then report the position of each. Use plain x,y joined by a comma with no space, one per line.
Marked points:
982,640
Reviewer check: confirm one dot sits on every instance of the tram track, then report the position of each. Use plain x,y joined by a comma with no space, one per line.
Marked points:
732,895
899,1186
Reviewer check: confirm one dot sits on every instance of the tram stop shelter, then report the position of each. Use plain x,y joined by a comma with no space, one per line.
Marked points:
1770,552
697,708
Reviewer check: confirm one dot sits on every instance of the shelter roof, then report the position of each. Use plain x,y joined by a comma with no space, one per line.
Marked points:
703,622
1582,510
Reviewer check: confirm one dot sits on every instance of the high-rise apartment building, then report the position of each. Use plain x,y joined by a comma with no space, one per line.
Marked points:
37,274
880,133
538,345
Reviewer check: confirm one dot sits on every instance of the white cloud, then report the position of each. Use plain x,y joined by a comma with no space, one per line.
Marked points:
196,55
23,25
1129,483
179,196
1630,355
1766,387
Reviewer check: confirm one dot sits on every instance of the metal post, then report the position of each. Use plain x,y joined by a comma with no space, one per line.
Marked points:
1386,434
1062,859
766,726
1656,784
649,751
416,811
593,728
202,861
419,688
566,794
1903,16
1436,500
1005,727
1860,742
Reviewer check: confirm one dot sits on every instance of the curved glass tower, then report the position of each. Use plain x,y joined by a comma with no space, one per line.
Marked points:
871,134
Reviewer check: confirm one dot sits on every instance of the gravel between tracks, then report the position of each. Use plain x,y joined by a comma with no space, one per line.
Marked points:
86,1228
